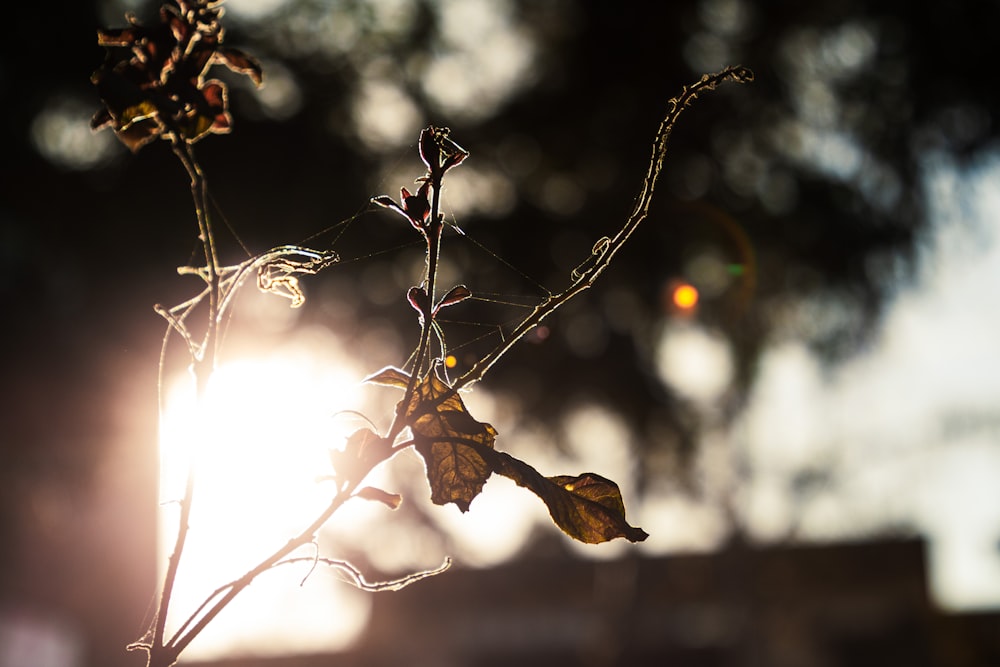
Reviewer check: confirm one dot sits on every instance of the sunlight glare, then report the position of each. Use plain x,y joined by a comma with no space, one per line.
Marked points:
260,445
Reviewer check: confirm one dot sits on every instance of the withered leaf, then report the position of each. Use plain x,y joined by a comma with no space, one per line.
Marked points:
238,61
450,441
117,37
139,112
456,294
101,119
361,450
390,376
390,500
587,507
459,455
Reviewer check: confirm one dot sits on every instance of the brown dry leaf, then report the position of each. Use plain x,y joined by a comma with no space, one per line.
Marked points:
390,376
390,500
587,507
450,441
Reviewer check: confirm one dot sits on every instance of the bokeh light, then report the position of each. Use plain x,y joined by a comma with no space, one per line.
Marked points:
61,132
685,296
695,362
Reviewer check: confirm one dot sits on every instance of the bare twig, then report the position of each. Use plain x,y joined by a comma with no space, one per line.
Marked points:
353,576
192,628
606,248
203,364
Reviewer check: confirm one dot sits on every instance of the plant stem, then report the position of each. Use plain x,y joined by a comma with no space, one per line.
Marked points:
433,236
203,363
433,258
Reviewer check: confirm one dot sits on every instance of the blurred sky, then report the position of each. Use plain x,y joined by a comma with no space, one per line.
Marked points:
837,381
908,426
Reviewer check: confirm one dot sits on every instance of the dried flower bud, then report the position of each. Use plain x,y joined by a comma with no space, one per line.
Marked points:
417,208
430,152
417,296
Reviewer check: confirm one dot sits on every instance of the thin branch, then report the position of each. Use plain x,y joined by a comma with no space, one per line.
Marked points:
351,575
177,324
312,568
192,629
606,248
354,577
203,365
207,601
433,236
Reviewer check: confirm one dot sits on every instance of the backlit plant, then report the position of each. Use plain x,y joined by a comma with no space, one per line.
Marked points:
154,86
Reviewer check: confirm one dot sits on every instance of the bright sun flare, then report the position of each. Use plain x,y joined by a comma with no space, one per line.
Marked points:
258,452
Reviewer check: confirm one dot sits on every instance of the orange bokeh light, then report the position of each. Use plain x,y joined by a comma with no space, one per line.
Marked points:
685,296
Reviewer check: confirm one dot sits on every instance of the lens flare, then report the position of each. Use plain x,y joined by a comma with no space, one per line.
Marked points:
685,296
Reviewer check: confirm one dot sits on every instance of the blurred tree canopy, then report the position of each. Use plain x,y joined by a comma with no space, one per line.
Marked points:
794,204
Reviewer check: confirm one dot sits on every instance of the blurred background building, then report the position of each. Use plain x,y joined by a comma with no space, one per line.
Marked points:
847,604
812,442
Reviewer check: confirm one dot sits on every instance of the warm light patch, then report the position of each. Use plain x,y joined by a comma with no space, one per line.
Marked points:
685,296
695,362
450,361
61,133
259,441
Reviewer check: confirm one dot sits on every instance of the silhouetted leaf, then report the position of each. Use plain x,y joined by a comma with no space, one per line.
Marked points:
587,507
209,113
439,151
417,205
390,500
450,441
101,119
361,450
459,455
456,294
390,376
430,152
136,113
238,61
385,200
216,101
